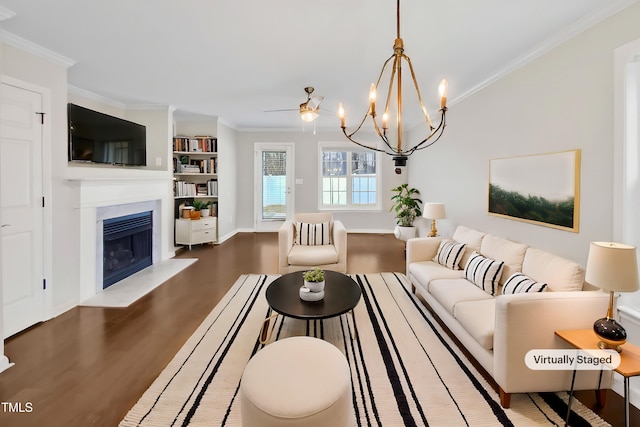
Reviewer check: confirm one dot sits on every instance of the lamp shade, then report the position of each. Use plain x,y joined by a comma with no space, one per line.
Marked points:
612,267
434,211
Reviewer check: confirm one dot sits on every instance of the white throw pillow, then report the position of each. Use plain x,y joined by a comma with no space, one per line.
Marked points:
518,283
449,254
313,234
483,272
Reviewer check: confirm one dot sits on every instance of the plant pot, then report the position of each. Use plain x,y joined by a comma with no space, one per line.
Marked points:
314,286
186,212
194,214
404,233
205,212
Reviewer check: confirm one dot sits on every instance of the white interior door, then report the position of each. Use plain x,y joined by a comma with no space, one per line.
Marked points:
274,185
21,205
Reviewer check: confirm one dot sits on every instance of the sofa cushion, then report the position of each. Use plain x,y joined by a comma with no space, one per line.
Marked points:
313,234
483,272
511,253
559,273
426,271
449,254
312,255
518,283
478,319
450,292
472,238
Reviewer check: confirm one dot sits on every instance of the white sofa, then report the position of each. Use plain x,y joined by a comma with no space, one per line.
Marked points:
498,331
293,256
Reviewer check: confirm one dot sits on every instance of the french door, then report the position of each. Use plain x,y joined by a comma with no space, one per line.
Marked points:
21,191
273,185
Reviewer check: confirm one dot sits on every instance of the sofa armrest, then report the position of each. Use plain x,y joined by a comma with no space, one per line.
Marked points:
285,242
421,249
340,241
526,322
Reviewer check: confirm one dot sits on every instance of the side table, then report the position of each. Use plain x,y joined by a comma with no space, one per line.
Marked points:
585,339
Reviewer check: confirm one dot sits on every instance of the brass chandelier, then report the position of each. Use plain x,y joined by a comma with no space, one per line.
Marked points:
399,151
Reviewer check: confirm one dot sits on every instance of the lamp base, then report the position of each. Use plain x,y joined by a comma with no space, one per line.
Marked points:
611,333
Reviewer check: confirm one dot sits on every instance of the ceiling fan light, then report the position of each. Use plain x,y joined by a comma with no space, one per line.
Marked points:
308,115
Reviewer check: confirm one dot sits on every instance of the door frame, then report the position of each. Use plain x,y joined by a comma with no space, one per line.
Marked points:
47,190
261,225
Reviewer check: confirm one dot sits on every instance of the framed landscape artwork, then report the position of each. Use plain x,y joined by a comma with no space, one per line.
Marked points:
541,189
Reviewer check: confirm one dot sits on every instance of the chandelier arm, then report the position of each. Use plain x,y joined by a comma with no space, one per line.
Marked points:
362,145
415,84
437,131
391,80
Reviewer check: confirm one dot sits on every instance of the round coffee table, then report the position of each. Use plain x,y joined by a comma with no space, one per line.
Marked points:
341,294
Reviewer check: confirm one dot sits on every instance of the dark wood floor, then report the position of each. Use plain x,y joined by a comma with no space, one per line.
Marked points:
89,366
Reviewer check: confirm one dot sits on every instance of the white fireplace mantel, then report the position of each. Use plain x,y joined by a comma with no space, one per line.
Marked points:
100,198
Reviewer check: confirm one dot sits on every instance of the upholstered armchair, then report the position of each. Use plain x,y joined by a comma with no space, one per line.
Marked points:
312,240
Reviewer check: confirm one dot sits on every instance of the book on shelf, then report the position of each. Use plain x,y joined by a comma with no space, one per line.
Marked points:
212,187
184,189
188,168
197,144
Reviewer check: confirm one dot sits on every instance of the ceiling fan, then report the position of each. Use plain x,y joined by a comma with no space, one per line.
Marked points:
309,109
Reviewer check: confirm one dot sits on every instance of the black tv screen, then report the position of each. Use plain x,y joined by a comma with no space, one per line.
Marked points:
101,138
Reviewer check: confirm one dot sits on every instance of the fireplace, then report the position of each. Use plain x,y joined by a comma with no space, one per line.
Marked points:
127,246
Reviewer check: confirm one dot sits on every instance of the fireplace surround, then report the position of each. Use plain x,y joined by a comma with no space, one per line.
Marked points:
101,199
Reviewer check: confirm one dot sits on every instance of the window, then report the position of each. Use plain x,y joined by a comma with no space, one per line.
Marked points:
349,178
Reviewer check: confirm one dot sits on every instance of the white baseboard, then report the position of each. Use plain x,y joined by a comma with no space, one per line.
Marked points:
4,363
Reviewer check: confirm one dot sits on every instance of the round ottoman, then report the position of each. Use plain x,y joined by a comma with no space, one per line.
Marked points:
298,381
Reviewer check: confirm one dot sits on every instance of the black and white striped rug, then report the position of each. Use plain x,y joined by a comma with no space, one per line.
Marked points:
405,370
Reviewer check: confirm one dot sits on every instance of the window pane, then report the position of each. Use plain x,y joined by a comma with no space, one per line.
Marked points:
363,163
334,163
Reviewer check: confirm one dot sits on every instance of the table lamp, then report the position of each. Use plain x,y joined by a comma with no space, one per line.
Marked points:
433,211
612,267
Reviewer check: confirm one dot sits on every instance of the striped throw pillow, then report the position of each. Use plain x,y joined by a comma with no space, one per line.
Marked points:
449,254
518,283
313,234
483,272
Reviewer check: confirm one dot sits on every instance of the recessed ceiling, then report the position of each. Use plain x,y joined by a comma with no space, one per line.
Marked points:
237,59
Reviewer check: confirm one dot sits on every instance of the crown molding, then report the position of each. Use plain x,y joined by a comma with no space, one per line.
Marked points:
35,49
95,97
551,43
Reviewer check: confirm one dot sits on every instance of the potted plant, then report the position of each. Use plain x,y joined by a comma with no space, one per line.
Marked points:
206,210
314,280
406,206
197,205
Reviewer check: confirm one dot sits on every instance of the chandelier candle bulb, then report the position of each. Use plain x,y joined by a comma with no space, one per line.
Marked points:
372,99
341,115
443,88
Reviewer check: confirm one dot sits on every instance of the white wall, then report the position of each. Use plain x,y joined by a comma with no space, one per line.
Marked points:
228,173
561,101
306,169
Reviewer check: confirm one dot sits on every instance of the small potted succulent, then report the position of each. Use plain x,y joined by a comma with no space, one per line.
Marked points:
314,280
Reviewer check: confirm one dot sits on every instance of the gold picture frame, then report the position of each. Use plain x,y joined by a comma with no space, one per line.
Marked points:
542,189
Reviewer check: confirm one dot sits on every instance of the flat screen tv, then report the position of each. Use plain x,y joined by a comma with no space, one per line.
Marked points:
95,137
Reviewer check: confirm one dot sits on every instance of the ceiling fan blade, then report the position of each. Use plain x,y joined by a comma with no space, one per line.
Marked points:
277,111
314,102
